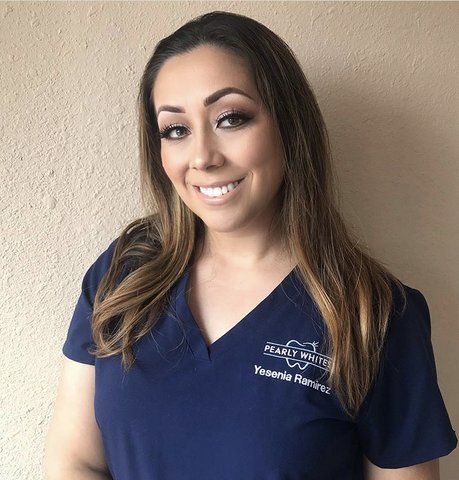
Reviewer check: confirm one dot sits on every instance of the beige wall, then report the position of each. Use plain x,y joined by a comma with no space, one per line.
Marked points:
386,78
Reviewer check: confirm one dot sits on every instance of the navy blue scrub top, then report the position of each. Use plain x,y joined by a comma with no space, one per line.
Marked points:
255,405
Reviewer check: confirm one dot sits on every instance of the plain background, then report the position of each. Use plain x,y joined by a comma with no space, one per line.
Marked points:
385,75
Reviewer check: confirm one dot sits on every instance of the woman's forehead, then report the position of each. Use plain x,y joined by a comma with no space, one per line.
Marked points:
200,72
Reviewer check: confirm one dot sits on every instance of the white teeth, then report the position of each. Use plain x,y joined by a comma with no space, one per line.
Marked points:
219,191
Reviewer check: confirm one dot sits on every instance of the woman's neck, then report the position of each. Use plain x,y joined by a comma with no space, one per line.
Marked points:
244,250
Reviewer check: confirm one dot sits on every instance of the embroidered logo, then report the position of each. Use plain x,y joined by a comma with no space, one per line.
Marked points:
297,354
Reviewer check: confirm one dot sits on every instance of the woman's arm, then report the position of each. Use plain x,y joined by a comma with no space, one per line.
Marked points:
74,449
423,471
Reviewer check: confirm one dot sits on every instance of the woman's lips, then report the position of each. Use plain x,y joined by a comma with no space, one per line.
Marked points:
220,193
220,190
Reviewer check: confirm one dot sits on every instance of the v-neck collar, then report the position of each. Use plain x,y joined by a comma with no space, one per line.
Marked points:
195,338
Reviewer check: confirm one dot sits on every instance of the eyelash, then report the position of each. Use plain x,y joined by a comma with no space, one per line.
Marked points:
243,117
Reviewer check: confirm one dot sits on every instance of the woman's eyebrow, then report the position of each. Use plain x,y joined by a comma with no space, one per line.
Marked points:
212,98
221,93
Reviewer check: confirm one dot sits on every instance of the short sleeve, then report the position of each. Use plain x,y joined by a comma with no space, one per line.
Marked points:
79,335
404,420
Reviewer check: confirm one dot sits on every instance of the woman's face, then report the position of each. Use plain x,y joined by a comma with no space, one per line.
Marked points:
219,146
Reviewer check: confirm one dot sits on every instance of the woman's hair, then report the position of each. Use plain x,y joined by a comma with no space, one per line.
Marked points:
353,292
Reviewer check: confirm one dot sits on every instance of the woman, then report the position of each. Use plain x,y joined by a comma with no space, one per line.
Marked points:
239,332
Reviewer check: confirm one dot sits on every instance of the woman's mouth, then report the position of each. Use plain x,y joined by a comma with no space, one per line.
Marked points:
213,192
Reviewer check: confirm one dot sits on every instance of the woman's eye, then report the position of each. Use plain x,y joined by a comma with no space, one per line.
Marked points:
173,132
231,119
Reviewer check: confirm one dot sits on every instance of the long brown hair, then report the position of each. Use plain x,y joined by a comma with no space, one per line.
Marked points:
352,291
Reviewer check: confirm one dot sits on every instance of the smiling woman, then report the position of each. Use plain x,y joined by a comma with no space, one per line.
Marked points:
238,331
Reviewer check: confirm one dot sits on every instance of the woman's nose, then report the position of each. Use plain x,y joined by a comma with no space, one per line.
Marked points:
206,152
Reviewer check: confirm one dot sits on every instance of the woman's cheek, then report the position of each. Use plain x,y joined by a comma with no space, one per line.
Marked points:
167,167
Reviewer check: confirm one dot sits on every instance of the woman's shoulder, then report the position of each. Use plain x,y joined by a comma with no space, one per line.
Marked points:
409,309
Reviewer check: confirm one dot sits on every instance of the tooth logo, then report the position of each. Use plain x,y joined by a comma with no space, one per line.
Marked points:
298,354
303,346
